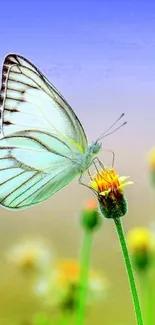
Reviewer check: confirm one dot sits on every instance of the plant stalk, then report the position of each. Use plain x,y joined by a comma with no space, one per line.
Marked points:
129,270
85,262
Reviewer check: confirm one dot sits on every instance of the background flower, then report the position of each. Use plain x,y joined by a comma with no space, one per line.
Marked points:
60,286
151,165
141,242
31,255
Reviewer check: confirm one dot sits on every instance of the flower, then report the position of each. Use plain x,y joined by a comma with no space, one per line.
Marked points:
151,165
60,286
31,255
151,159
90,216
109,188
141,242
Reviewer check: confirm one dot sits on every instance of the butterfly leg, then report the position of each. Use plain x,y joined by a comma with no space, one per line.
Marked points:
113,156
81,183
99,162
88,171
102,166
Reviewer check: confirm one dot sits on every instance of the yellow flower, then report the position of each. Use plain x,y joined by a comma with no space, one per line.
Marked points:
109,187
31,255
151,159
139,239
60,287
151,164
141,242
108,181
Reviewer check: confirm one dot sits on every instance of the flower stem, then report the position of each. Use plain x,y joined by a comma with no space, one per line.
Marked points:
150,300
142,278
85,261
129,270
147,295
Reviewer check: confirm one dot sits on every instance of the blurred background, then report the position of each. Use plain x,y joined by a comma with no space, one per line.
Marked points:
101,57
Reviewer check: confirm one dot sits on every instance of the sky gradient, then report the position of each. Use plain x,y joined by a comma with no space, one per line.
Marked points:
99,54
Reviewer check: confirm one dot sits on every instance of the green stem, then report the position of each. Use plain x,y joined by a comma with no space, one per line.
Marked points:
143,289
129,270
150,300
147,295
85,261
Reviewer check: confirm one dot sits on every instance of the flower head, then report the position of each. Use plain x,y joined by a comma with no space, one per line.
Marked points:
61,285
109,187
141,242
31,255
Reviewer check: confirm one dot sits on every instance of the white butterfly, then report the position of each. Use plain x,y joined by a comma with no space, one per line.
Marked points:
43,145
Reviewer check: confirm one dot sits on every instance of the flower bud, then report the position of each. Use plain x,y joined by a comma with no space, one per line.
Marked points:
90,216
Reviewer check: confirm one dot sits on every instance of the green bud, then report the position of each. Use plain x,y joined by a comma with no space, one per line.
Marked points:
90,217
142,260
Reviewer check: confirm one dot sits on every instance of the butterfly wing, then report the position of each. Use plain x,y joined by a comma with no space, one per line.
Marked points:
32,168
29,101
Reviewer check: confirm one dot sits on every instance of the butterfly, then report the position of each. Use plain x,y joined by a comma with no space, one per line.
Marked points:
43,145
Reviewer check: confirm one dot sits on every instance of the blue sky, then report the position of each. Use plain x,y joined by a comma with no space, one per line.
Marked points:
80,32
99,54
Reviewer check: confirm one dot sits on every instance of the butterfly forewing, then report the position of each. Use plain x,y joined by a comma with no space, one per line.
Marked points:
29,101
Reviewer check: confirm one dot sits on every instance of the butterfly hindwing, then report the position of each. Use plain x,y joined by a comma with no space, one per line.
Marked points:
32,168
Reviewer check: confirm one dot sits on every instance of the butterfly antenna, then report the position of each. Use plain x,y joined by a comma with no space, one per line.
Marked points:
113,131
105,133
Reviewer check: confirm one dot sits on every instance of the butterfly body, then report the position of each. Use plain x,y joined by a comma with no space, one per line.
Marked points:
84,161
